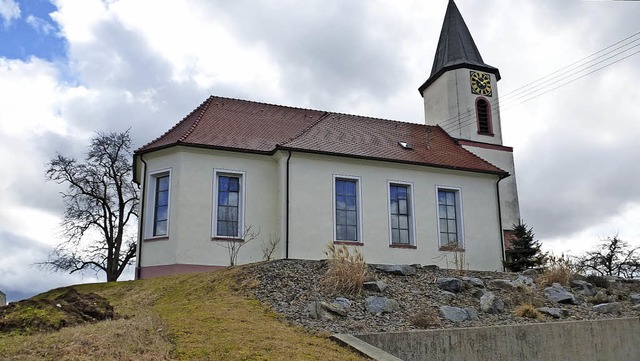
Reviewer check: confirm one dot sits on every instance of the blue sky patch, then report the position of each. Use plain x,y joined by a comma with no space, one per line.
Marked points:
34,33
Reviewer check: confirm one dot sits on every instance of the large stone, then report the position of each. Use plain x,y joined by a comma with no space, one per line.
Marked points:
376,286
479,293
490,303
613,307
524,281
474,281
449,284
334,307
398,269
501,284
376,304
559,294
472,315
554,312
447,296
457,314
634,298
531,272
584,288
316,311
343,301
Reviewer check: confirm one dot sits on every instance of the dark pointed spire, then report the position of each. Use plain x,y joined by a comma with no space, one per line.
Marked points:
456,48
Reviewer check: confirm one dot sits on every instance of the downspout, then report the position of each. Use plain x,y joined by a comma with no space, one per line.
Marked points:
286,236
141,218
500,223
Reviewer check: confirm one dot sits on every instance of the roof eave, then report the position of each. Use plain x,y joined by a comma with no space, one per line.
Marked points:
434,77
501,174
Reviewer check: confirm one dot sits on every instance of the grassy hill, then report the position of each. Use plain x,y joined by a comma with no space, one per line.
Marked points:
207,316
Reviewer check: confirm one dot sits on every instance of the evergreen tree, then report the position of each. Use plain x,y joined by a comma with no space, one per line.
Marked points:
525,252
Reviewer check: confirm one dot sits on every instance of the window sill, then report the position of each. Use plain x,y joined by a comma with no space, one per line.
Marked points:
160,238
405,246
486,134
227,239
451,249
349,243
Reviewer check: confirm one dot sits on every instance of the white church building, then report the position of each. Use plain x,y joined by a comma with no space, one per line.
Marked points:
400,192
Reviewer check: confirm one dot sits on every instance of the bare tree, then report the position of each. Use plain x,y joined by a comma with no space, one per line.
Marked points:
101,202
233,246
612,257
269,247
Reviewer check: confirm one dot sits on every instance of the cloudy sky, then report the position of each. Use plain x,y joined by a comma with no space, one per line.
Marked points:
70,68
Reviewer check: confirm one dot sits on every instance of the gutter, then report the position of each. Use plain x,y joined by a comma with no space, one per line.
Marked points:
141,218
500,223
286,236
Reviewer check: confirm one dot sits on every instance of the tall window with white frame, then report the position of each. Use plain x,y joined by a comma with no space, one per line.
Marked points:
346,193
400,214
449,218
161,205
228,221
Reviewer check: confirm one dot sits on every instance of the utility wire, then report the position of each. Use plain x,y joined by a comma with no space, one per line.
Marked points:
526,92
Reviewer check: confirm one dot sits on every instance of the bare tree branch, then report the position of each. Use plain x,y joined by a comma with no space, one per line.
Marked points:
101,202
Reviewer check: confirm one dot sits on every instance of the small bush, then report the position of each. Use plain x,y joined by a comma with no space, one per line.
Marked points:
426,319
598,281
557,270
599,298
528,310
560,275
346,270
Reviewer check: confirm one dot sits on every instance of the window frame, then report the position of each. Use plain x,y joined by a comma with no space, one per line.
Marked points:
459,218
489,119
241,203
150,218
359,233
412,226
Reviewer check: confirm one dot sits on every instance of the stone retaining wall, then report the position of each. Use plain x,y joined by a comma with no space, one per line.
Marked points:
600,340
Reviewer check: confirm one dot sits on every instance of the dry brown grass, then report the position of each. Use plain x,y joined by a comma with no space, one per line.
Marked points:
139,338
427,318
346,270
528,310
560,274
208,316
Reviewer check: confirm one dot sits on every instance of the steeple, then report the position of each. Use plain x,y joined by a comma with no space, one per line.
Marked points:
456,48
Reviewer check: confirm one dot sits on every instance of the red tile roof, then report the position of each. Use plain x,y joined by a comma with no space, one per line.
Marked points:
241,125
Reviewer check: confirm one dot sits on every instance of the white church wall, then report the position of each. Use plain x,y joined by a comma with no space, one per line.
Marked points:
190,240
508,187
312,211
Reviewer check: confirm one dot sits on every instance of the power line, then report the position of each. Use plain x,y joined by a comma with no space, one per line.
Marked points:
536,87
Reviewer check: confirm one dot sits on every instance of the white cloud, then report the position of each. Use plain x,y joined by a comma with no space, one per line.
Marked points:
40,25
9,11
145,64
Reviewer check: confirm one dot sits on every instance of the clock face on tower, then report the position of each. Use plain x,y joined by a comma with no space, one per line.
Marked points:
481,83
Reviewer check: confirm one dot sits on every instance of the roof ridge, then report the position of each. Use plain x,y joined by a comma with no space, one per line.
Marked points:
322,111
205,105
174,126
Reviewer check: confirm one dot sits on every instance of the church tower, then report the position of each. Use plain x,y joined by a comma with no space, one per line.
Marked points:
461,96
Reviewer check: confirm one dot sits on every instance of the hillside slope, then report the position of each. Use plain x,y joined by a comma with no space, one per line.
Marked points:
208,316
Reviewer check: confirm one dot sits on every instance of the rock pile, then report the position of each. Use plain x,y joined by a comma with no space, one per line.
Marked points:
394,295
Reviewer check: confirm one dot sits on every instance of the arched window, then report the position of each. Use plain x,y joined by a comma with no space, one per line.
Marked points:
483,112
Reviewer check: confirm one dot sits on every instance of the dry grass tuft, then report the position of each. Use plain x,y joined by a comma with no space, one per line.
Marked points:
557,270
346,270
139,338
427,318
528,310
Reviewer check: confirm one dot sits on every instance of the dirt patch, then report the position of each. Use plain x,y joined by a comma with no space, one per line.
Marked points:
69,309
